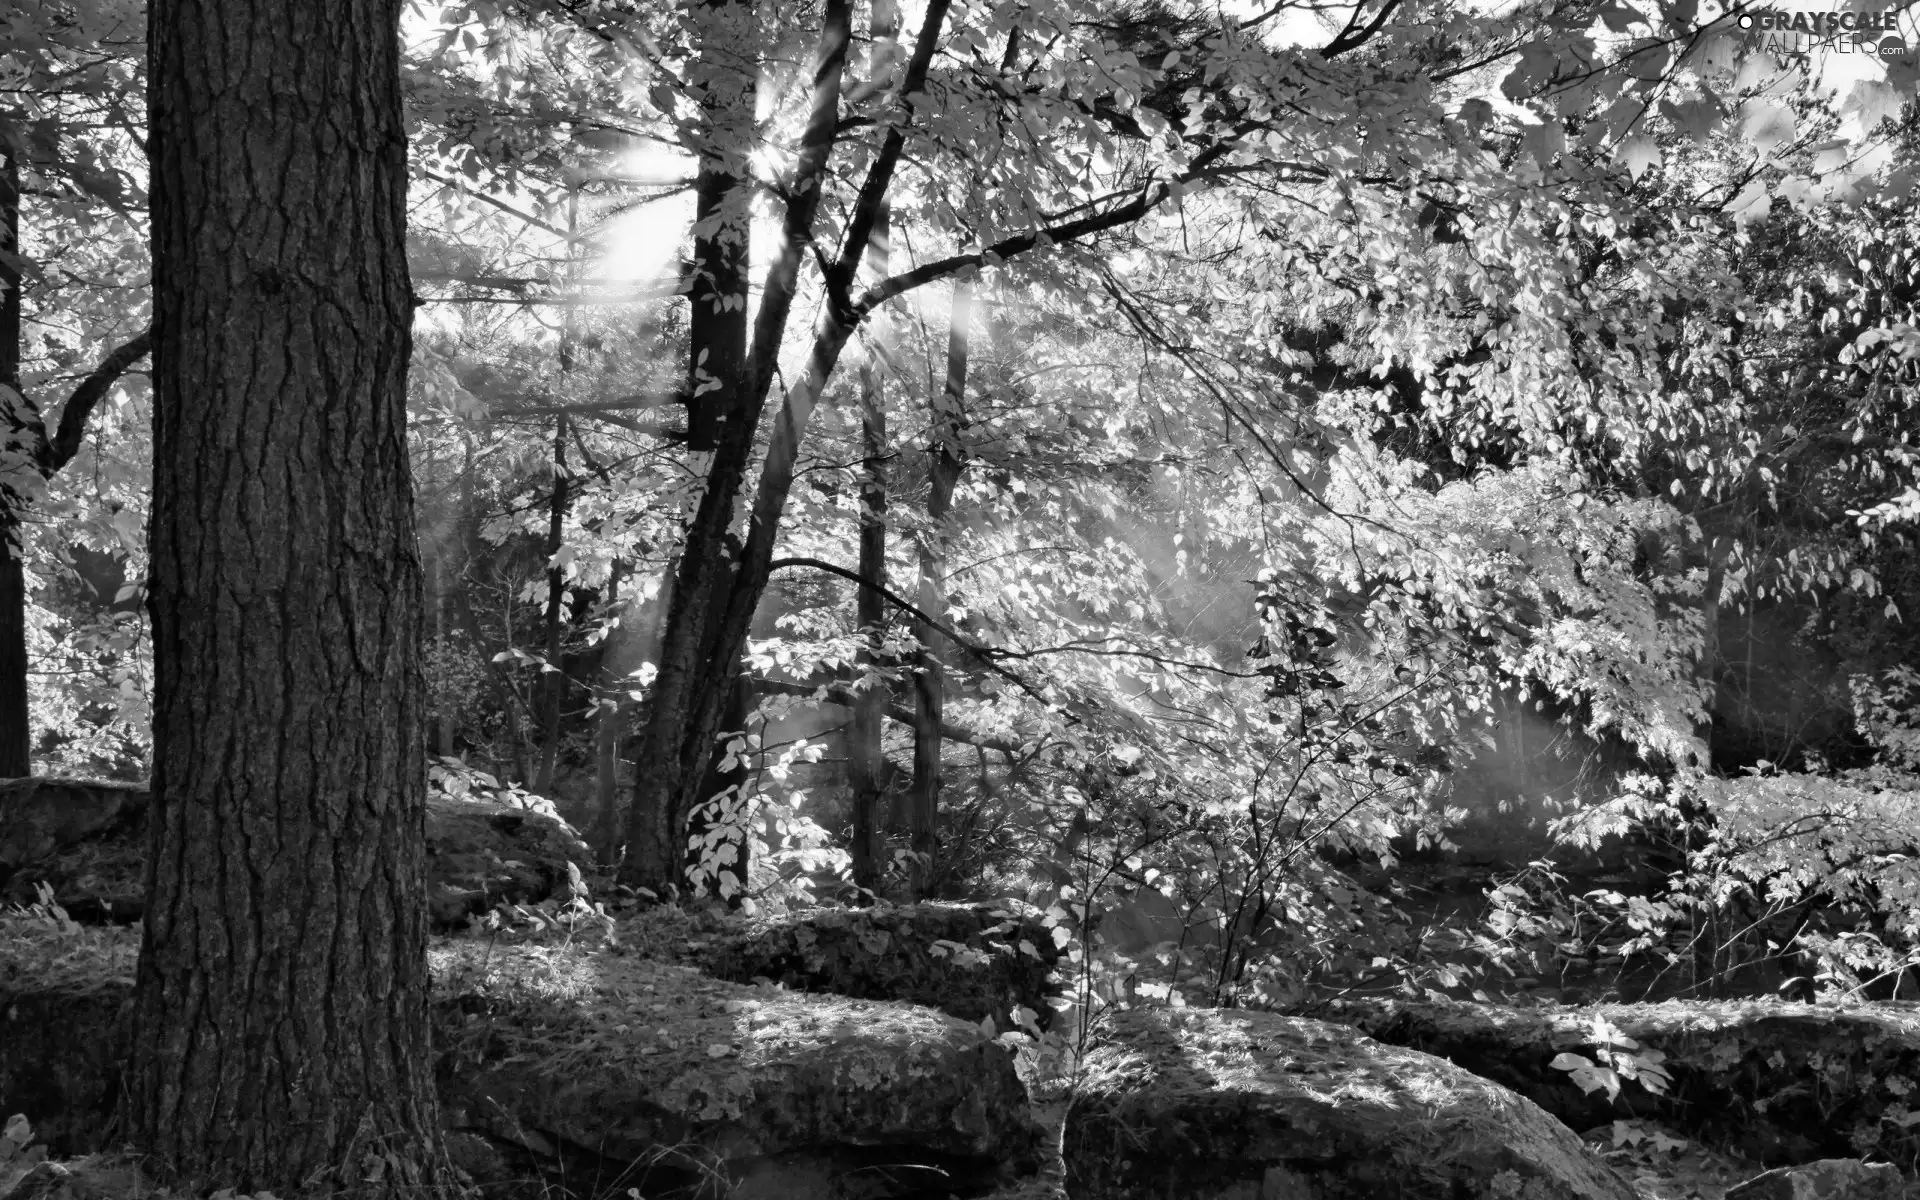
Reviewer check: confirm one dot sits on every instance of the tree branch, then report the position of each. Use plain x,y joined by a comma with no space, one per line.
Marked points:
1145,200
65,443
842,695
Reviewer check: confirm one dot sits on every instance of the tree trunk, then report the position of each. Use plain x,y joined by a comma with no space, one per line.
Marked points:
718,587
280,1012
719,377
437,605
865,753
553,682
716,825
16,736
929,679
618,661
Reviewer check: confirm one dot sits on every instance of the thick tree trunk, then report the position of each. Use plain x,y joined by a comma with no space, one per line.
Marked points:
929,679
280,1013
16,736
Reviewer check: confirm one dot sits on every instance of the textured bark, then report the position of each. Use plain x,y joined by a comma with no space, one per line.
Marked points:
929,679
16,738
281,1036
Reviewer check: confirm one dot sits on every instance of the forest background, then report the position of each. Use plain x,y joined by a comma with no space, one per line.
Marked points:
1096,453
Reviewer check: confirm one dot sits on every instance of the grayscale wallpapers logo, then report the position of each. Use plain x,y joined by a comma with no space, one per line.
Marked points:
1875,33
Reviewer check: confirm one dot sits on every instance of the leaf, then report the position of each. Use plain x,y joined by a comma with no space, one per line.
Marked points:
1798,191
1568,1061
1766,125
1875,100
1620,18
1695,117
1752,204
1638,153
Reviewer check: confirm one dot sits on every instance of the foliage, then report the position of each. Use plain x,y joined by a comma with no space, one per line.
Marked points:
1615,1058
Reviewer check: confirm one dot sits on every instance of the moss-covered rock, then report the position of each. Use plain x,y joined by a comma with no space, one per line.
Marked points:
1184,1104
973,961
603,1067
1777,1083
86,841
646,1062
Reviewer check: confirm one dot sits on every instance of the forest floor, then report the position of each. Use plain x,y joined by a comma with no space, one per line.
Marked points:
1661,1164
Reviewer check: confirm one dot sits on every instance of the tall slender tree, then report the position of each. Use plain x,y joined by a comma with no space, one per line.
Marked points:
280,1012
866,759
944,463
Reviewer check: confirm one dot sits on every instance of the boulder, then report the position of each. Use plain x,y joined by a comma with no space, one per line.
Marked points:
82,837
480,854
86,840
1828,1179
970,960
64,1001
589,1066
1776,1083
1204,1104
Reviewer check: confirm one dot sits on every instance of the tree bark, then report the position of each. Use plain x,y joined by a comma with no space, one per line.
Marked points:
929,679
280,1010
16,736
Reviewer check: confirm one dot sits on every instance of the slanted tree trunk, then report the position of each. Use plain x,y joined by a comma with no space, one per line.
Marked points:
929,680
719,378
280,1011
719,582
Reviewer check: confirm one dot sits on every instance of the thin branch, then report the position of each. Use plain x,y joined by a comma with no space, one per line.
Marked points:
80,405
842,695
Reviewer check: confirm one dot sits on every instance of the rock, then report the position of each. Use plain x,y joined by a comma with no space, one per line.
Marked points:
592,1065
480,854
92,830
1828,1179
64,997
96,1178
87,841
972,961
787,1094
1777,1083
1189,1104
